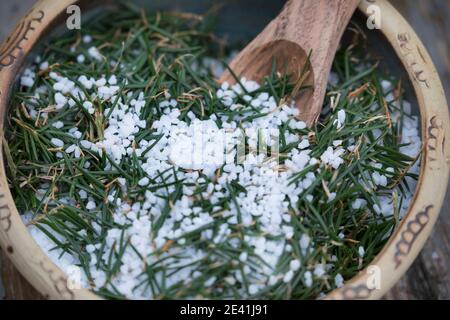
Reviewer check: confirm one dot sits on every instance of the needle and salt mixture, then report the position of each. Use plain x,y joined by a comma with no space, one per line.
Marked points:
128,160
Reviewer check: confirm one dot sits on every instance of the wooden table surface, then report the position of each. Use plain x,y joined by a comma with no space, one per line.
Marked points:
429,276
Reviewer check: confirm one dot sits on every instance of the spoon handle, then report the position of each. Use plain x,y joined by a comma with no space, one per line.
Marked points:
317,26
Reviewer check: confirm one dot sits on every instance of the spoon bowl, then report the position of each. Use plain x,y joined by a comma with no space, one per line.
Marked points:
301,41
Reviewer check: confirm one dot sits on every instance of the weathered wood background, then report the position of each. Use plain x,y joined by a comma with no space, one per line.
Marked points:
429,276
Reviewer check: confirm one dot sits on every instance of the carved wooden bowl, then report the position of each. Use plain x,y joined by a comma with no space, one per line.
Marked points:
401,45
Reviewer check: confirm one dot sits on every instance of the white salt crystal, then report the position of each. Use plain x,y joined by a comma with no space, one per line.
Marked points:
339,280
308,279
95,53
57,142
81,58
58,124
361,251
90,205
295,265
144,181
87,39
288,276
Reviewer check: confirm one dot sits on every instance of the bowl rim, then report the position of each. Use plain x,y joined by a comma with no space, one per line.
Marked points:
370,283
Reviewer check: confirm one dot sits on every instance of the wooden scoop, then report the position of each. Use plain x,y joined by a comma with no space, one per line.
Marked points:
304,28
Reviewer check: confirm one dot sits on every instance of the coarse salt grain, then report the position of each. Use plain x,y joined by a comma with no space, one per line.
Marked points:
87,39
144,181
295,265
319,270
361,251
341,116
243,256
288,276
57,142
81,58
58,124
304,144
339,280
90,205
358,204
95,53
308,279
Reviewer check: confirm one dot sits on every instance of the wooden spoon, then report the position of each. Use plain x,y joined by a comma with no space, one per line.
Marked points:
304,28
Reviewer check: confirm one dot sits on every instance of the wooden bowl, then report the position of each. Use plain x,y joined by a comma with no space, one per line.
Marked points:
372,282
